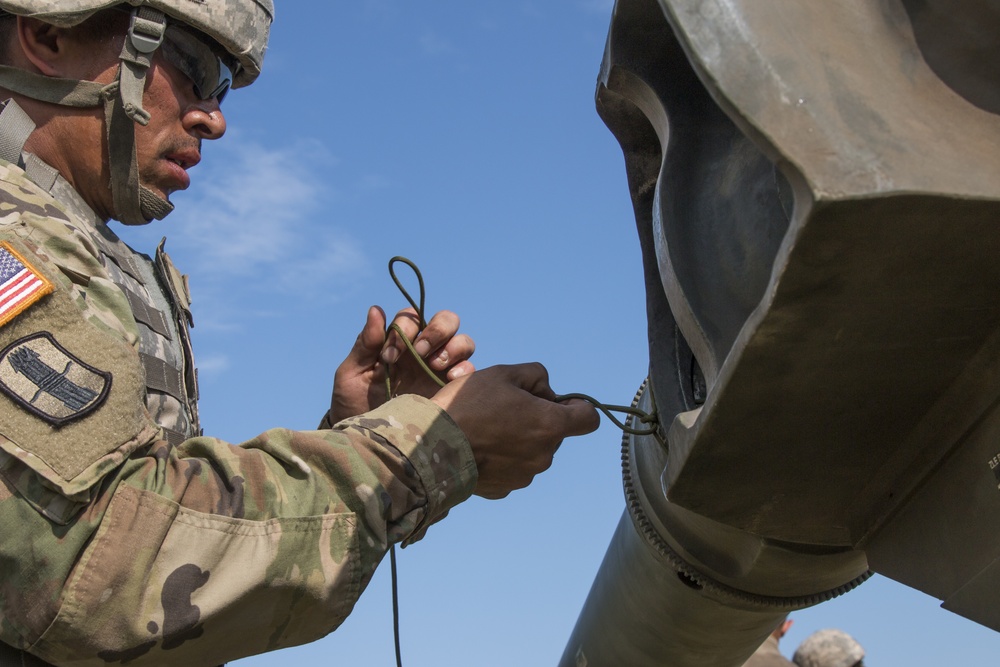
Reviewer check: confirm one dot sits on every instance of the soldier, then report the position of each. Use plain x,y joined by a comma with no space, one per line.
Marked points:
127,535
829,648
768,654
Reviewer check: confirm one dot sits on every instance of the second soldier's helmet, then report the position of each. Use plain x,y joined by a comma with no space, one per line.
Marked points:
828,648
216,43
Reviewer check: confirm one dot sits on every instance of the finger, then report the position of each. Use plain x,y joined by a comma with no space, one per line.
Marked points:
409,324
455,351
577,416
571,417
490,493
439,331
460,370
533,378
372,337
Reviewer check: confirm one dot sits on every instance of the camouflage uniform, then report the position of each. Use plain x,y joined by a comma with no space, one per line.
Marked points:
829,648
768,655
127,536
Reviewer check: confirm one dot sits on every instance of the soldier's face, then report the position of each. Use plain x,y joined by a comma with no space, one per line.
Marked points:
166,148
171,143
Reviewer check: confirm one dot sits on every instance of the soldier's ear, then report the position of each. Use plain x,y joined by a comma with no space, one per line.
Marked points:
42,44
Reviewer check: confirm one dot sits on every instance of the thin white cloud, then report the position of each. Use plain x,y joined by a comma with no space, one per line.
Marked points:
242,215
257,233
331,260
258,221
212,364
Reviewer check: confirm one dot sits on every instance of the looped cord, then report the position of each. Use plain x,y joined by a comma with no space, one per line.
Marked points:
649,420
421,322
406,295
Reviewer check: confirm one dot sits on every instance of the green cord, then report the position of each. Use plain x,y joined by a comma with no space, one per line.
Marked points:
650,420
643,417
420,281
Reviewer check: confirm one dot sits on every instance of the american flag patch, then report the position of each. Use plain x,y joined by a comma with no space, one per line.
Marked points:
20,284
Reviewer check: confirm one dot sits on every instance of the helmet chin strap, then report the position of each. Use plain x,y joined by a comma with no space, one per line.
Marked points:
134,203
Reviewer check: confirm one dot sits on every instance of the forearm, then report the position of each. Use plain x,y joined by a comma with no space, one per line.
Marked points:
212,551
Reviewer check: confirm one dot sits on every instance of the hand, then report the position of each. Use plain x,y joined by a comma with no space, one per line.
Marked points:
513,424
359,383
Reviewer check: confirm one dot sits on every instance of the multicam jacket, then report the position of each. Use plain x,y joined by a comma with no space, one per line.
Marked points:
768,655
126,536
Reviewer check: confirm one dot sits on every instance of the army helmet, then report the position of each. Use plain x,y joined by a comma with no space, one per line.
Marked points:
218,44
828,648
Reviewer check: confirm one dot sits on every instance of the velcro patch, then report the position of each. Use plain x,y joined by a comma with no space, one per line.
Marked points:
45,379
20,284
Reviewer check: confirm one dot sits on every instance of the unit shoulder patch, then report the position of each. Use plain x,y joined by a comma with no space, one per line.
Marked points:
45,379
21,284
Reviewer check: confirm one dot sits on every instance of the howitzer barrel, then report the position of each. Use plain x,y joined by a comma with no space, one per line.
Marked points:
641,612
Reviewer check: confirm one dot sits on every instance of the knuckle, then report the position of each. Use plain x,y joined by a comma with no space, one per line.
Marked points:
523,481
544,464
540,371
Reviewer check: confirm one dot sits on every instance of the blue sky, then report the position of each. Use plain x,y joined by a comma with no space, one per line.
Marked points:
462,135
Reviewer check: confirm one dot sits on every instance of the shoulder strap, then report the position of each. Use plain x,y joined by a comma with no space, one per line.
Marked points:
15,127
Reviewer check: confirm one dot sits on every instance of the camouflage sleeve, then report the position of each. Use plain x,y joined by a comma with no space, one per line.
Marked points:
208,552
120,548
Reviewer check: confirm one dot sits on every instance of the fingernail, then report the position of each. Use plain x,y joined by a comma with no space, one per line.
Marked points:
456,373
422,347
390,355
442,358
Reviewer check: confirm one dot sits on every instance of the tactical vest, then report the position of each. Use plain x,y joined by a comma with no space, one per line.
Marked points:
158,296
156,291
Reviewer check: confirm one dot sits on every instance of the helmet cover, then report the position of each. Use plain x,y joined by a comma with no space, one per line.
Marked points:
828,648
241,27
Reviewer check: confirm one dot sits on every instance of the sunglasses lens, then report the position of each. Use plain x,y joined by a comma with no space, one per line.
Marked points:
222,86
211,77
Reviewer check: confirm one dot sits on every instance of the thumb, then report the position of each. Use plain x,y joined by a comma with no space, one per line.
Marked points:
578,416
369,343
581,417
